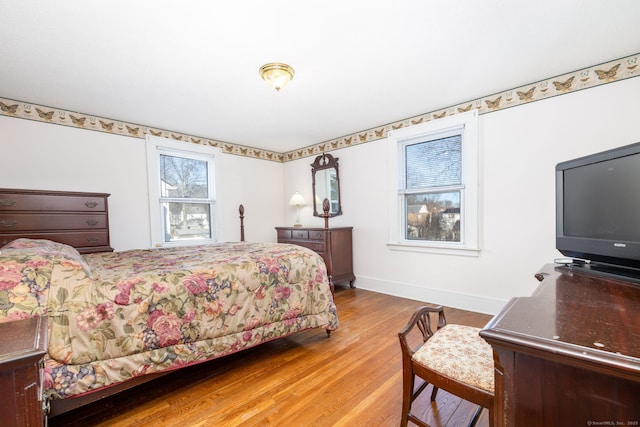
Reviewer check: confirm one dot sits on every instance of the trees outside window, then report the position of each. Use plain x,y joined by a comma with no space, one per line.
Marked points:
182,194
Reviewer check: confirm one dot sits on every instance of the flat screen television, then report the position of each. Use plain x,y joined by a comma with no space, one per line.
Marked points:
598,211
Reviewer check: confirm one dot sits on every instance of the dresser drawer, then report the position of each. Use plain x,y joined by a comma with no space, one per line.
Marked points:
314,246
43,202
316,235
22,221
299,234
284,234
76,239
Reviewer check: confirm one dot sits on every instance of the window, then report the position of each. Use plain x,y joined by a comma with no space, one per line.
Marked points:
182,197
434,175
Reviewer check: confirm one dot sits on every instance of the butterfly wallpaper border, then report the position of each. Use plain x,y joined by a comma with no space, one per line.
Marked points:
590,77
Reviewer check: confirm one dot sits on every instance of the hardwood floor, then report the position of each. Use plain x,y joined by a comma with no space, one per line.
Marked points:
353,378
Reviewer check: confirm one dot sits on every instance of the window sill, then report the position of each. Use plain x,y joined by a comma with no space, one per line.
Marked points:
194,242
431,249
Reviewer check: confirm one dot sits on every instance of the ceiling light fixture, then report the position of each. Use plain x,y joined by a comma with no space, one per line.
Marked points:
276,74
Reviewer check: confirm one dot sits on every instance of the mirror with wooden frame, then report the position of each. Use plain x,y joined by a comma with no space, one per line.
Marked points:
326,185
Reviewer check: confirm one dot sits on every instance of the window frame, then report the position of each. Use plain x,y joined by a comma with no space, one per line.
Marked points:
466,125
157,146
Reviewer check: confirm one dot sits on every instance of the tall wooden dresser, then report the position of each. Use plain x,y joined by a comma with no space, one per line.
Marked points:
77,219
333,244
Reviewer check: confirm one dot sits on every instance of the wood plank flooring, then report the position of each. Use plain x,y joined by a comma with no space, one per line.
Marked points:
353,378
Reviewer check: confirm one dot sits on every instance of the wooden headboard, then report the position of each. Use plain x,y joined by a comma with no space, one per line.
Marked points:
77,219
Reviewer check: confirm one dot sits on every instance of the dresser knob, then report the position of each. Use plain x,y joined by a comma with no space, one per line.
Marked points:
93,240
92,222
91,204
7,202
8,223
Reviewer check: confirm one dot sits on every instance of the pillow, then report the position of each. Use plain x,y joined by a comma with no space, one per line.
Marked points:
46,248
26,267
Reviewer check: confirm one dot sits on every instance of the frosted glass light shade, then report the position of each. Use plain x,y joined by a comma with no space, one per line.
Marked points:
276,74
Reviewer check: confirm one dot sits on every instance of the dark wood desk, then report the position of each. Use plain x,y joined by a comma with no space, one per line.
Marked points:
569,354
22,348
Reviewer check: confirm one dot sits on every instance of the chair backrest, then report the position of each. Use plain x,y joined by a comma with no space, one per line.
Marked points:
422,319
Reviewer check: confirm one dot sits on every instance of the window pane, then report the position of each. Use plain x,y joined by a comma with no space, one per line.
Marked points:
333,191
434,163
183,178
183,221
433,216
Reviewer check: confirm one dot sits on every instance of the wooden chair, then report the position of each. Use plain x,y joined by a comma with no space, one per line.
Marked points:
454,358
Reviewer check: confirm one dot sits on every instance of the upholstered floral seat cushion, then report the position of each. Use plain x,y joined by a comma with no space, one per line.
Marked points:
460,353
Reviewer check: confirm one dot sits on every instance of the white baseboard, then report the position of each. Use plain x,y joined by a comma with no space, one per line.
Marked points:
463,301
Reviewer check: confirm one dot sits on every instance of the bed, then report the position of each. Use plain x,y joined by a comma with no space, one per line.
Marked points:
120,318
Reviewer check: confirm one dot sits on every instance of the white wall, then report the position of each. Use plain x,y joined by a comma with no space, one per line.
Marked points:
519,148
257,184
36,155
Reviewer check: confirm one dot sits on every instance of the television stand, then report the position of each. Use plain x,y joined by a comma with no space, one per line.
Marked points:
628,274
568,354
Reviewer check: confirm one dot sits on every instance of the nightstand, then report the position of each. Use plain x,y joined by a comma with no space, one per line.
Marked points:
23,343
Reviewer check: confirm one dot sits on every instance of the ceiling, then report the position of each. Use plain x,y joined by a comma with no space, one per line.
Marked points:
192,66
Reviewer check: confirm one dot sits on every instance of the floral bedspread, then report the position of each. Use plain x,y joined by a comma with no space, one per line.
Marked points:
114,316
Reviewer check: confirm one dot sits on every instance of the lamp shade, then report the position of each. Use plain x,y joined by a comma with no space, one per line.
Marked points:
297,200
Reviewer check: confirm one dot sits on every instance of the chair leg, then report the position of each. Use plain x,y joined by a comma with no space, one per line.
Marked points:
433,393
476,415
407,396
